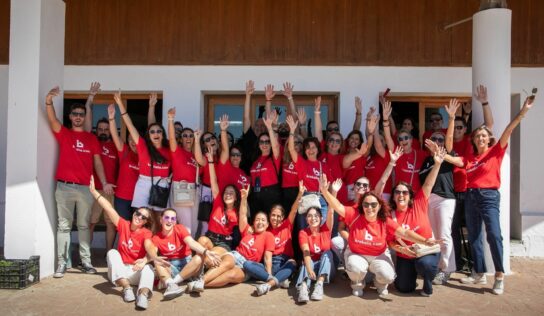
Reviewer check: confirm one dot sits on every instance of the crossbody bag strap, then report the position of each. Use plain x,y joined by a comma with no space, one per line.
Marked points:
414,167
399,240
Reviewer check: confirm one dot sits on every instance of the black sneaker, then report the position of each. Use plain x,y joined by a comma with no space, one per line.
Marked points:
88,268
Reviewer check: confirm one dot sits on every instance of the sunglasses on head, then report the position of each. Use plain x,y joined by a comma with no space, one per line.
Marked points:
208,139
437,139
401,138
370,205
335,140
459,127
402,192
333,129
155,131
76,114
264,142
236,154
140,215
167,218
187,135
361,184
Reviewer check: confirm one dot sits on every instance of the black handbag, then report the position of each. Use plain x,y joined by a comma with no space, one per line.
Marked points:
158,196
204,208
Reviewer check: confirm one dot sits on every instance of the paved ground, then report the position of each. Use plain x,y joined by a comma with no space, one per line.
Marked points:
80,294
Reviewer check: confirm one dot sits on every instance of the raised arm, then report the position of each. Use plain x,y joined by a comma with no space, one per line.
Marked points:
438,156
317,119
481,96
452,110
172,130
242,219
224,126
54,122
199,157
371,127
250,88
331,200
352,156
358,114
151,111
387,125
269,94
288,93
387,172
88,124
106,205
301,114
291,142
296,204
213,176
126,118
113,128
377,140
505,137
334,188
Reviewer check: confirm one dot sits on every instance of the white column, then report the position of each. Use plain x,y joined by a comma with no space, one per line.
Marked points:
491,62
36,65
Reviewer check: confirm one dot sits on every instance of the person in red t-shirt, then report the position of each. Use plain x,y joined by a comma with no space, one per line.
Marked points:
153,157
412,213
257,243
184,175
482,200
283,264
79,155
127,265
289,177
229,160
174,244
408,124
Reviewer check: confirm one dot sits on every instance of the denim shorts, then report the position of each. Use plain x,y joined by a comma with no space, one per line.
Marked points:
239,260
178,264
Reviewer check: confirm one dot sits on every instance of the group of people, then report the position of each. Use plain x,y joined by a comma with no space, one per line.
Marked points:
279,200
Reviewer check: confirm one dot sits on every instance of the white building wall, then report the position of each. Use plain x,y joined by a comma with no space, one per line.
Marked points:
4,76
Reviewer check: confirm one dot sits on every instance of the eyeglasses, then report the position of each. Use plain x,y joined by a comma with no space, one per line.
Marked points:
235,154
362,184
401,138
437,139
459,127
155,131
76,114
229,193
187,135
370,205
140,215
167,218
298,142
208,139
264,142
402,192
435,120
333,129
335,140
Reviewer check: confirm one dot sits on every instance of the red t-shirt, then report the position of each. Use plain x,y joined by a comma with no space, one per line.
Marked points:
159,170
264,168
110,162
128,173
318,244
289,175
221,223
415,218
282,239
183,165
484,171
375,166
355,170
173,246
337,172
408,167
76,155
368,238
131,243
253,246
309,172
228,174
461,149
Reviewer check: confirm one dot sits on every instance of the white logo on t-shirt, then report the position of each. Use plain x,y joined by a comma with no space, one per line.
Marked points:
291,166
223,220
105,151
79,144
406,226
316,172
368,236
317,249
130,244
277,240
258,165
171,247
251,242
410,166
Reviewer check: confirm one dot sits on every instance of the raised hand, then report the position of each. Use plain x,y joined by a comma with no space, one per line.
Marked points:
323,183
370,113
372,123
396,155
432,146
244,192
529,101
95,87
197,133
51,94
386,110
336,185
317,104
292,123
117,97
358,105
171,113
152,99
452,108
288,90
111,111
301,114
301,187
269,92
224,122
270,119
481,94
250,87
439,155
209,154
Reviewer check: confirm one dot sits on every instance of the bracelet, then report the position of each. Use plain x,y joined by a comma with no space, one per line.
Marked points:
97,198
318,112
123,113
268,100
170,118
50,104
111,119
385,120
485,103
291,134
357,113
210,162
290,98
204,252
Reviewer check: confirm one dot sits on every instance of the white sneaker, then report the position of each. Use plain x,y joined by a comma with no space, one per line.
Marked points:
141,302
498,286
198,286
382,290
441,278
357,288
128,295
285,284
172,291
317,294
262,289
303,293
425,294
475,278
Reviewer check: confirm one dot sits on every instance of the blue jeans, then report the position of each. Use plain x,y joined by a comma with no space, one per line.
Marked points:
482,205
178,264
408,269
322,267
300,224
282,269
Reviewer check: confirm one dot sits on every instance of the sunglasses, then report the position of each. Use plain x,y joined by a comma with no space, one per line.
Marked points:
437,139
187,135
140,215
264,142
235,154
401,138
333,129
459,127
167,218
362,184
208,139
298,142
335,140
155,131
370,205
402,192
435,120
76,114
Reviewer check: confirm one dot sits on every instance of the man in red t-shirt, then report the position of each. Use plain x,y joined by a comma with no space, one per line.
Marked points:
436,121
79,155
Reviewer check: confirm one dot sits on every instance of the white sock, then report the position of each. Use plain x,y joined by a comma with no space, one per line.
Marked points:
168,281
178,279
